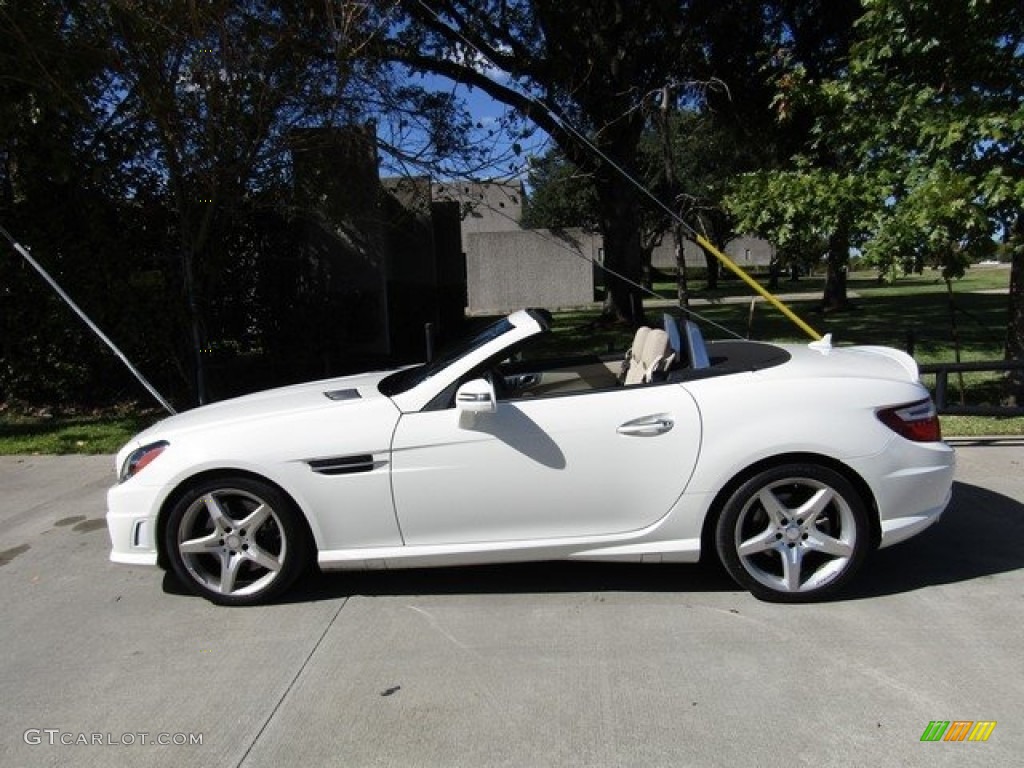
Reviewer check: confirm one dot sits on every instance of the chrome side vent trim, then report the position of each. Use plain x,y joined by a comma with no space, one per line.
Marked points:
343,394
140,533
343,465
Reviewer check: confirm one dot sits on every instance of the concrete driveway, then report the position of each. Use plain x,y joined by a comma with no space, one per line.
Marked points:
538,665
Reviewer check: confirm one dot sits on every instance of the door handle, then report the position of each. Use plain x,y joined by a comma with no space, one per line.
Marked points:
522,380
647,426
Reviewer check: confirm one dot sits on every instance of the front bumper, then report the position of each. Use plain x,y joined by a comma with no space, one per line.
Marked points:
131,523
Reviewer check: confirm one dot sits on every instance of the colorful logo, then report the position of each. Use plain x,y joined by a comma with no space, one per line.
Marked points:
958,730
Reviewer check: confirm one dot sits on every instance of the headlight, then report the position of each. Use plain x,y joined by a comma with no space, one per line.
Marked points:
140,458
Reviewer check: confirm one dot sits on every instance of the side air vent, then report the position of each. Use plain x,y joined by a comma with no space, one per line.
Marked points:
342,465
343,394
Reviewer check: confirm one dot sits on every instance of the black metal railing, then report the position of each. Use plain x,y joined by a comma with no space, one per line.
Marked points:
941,372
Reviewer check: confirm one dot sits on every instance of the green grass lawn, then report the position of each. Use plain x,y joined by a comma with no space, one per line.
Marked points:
864,283
884,314
92,434
878,316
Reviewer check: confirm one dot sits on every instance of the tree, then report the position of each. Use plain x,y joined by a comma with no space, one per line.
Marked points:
60,180
568,67
933,104
797,198
806,209
193,110
561,195
214,93
160,134
703,157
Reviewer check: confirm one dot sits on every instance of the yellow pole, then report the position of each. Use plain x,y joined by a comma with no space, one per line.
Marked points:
703,242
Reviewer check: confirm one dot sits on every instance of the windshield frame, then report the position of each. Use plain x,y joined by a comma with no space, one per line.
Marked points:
408,378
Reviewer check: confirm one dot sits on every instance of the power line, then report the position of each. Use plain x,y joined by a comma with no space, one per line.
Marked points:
566,125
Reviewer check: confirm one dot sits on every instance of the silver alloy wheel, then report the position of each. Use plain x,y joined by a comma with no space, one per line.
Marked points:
796,534
232,542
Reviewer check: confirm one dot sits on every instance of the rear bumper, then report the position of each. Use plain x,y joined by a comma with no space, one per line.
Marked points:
902,528
912,484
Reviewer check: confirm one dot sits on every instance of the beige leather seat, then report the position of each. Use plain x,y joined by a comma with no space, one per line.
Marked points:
651,353
632,359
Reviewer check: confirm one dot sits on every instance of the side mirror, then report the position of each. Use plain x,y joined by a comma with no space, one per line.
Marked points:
476,396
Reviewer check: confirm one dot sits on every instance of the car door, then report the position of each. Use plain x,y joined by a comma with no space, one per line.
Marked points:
587,464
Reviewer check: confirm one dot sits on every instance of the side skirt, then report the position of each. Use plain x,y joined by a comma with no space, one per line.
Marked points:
435,556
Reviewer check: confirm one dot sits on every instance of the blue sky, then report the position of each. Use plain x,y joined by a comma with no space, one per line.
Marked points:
486,114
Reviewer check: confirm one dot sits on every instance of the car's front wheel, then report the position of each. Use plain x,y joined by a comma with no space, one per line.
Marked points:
236,540
793,533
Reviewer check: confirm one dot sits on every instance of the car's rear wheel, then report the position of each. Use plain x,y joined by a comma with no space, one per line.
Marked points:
793,533
236,540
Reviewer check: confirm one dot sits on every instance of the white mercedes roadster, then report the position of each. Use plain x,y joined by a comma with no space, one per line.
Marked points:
792,463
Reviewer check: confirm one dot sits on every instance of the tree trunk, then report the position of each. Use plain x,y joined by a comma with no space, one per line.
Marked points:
669,165
835,276
712,265
773,272
195,325
647,267
719,234
682,287
1015,313
620,225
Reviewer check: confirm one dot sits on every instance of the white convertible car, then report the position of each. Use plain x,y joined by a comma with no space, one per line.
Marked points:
792,463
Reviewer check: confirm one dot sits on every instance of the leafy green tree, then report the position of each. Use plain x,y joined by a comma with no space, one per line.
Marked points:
809,213
567,66
561,195
949,79
937,222
805,197
595,67
704,157
932,105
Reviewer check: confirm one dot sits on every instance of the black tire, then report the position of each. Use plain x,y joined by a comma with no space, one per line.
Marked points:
236,540
793,533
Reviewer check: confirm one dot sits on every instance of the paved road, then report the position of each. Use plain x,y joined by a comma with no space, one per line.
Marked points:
540,665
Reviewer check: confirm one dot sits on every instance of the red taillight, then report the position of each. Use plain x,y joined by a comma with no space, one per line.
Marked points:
915,421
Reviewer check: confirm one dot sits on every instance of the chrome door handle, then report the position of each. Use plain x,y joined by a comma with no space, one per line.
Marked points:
647,426
523,380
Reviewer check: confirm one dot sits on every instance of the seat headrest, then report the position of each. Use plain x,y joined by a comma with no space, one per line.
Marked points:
639,339
656,347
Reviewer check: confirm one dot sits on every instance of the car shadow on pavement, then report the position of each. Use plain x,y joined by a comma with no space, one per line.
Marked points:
981,534
515,578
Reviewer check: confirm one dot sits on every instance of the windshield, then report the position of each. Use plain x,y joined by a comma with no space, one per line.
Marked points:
406,379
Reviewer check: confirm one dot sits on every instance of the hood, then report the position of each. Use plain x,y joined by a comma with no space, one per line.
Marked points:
343,392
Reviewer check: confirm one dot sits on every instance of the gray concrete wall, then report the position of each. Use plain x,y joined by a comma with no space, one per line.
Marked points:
750,251
664,255
529,268
490,206
745,251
